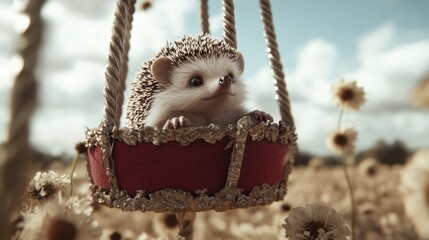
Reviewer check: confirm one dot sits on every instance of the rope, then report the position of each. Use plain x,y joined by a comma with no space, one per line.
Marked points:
124,66
23,103
204,16
282,96
229,33
114,63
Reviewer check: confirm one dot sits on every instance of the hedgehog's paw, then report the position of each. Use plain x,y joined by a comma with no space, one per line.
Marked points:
261,116
176,122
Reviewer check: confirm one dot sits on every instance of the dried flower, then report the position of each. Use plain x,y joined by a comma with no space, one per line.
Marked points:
415,191
369,167
315,222
58,220
43,187
348,96
342,141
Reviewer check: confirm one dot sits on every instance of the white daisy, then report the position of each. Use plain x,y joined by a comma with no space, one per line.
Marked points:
315,222
347,95
342,141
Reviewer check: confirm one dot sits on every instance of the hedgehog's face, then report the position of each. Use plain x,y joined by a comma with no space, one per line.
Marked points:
202,83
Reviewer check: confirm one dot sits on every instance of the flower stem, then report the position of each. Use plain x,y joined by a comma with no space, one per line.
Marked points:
72,172
352,199
349,183
340,117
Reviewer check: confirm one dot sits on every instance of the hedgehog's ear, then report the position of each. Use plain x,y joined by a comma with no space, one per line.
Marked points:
161,70
240,61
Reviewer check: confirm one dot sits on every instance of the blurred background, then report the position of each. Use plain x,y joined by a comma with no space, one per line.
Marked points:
383,44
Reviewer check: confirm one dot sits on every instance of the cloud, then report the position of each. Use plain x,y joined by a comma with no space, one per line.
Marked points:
389,73
386,69
376,42
57,130
73,59
309,82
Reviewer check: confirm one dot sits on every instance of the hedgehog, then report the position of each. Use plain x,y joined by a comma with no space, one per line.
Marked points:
194,81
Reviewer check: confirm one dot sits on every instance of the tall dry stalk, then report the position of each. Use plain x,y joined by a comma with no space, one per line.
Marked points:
23,103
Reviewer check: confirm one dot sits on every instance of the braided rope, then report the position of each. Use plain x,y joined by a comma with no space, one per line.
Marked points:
186,225
234,169
124,66
282,96
204,16
114,63
229,33
23,103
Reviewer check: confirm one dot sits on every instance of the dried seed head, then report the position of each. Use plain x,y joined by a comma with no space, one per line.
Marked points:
80,147
44,187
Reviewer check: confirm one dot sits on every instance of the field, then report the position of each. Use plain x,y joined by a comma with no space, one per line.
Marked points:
378,195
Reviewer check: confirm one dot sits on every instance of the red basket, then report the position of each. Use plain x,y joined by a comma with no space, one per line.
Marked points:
248,169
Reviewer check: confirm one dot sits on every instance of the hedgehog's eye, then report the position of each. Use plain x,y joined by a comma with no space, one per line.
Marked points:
196,81
231,77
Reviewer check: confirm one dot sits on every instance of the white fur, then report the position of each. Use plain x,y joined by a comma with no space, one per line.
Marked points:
180,99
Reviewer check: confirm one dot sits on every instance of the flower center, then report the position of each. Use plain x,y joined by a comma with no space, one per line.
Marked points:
44,193
347,95
62,229
314,228
340,140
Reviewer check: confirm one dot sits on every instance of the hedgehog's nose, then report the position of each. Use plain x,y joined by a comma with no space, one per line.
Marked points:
225,80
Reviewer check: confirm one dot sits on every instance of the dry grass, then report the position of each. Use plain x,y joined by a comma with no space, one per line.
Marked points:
380,207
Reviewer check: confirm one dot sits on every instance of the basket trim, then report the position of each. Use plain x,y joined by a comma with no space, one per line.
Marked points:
177,201
272,132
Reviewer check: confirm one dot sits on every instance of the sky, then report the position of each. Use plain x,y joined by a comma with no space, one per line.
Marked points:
382,44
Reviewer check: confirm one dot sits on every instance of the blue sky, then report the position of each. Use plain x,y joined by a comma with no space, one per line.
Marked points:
339,22
383,44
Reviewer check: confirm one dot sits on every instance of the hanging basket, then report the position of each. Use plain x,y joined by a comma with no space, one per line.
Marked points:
188,169
191,169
